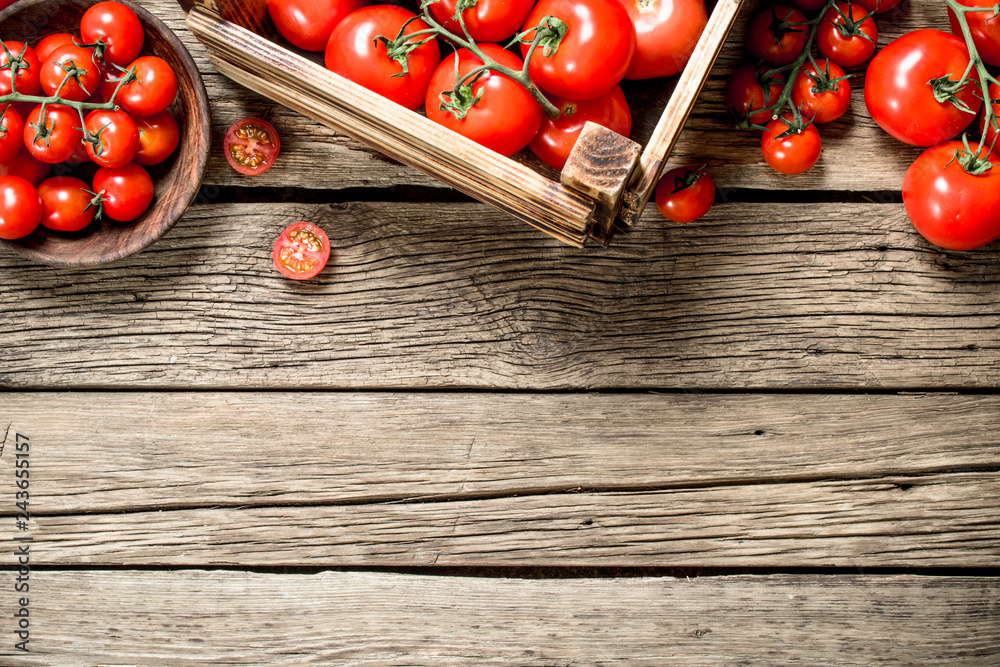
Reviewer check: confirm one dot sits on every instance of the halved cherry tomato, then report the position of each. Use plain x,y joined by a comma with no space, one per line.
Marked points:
112,138
793,154
308,23
685,194
985,29
11,132
666,33
301,251
57,138
66,204
20,207
126,192
776,35
745,94
117,26
819,94
27,167
60,62
848,35
159,136
152,89
251,146
487,20
556,138
27,77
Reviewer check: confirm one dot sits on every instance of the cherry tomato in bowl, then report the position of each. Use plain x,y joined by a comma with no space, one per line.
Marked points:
301,251
684,194
117,27
20,207
251,146
159,136
126,192
66,203
112,138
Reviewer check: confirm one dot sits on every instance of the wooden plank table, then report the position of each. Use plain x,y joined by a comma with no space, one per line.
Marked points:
768,437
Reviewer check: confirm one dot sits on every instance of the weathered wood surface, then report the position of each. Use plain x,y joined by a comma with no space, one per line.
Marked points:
857,154
100,452
458,295
185,618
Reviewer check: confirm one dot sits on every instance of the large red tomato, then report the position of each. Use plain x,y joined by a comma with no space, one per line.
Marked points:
899,94
556,138
308,23
504,118
487,21
950,207
985,29
666,33
354,52
592,56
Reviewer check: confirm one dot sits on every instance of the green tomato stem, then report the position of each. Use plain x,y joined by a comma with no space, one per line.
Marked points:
976,61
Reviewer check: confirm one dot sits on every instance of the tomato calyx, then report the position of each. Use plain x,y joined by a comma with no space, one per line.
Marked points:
548,34
460,99
848,27
97,201
975,163
823,81
688,179
14,63
399,49
796,124
780,27
946,90
100,48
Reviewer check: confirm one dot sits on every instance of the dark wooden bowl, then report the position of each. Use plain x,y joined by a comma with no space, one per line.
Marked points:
176,180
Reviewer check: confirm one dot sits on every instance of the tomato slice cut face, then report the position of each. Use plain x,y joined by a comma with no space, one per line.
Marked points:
251,146
301,251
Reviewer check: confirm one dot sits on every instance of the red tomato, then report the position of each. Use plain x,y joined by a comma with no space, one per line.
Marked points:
66,204
354,52
11,132
251,146
112,138
794,154
487,21
20,207
878,6
57,138
594,54
308,23
990,133
24,165
556,138
116,26
745,94
504,119
985,29
848,35
126,192
151,87
776,35
159,137
27,77
900,98
685,194
301,251
79,87
50,43
666,33
819,95
950,207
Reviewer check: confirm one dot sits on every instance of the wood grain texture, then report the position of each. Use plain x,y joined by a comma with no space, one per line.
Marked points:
461,296
340,618
98,452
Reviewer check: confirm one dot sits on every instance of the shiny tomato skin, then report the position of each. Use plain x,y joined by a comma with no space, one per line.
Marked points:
28,82
488,21
153,90
794,154
684,203
27,167
251,146
984,27
301,251
50,43
948,206
159,136
353,53
117,26
12,132
20,208
504,120
126,191
64,139
595,53
847,51
878,6
666,33
555,138
117,136
308,23
828,105
70,56
66,204
899,97
744,93
765,44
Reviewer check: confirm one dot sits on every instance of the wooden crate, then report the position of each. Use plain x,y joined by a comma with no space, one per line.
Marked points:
604,186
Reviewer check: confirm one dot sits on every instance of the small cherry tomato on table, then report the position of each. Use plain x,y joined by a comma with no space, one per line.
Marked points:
487,21
666,33
685,194
555,138
308,23
750,89
950,207
116,26
57,138
301,251
776,35
126,192
251,146
899,90
20,207
159,136
28,72
985,29
794,153
66,204
847,35
822,95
